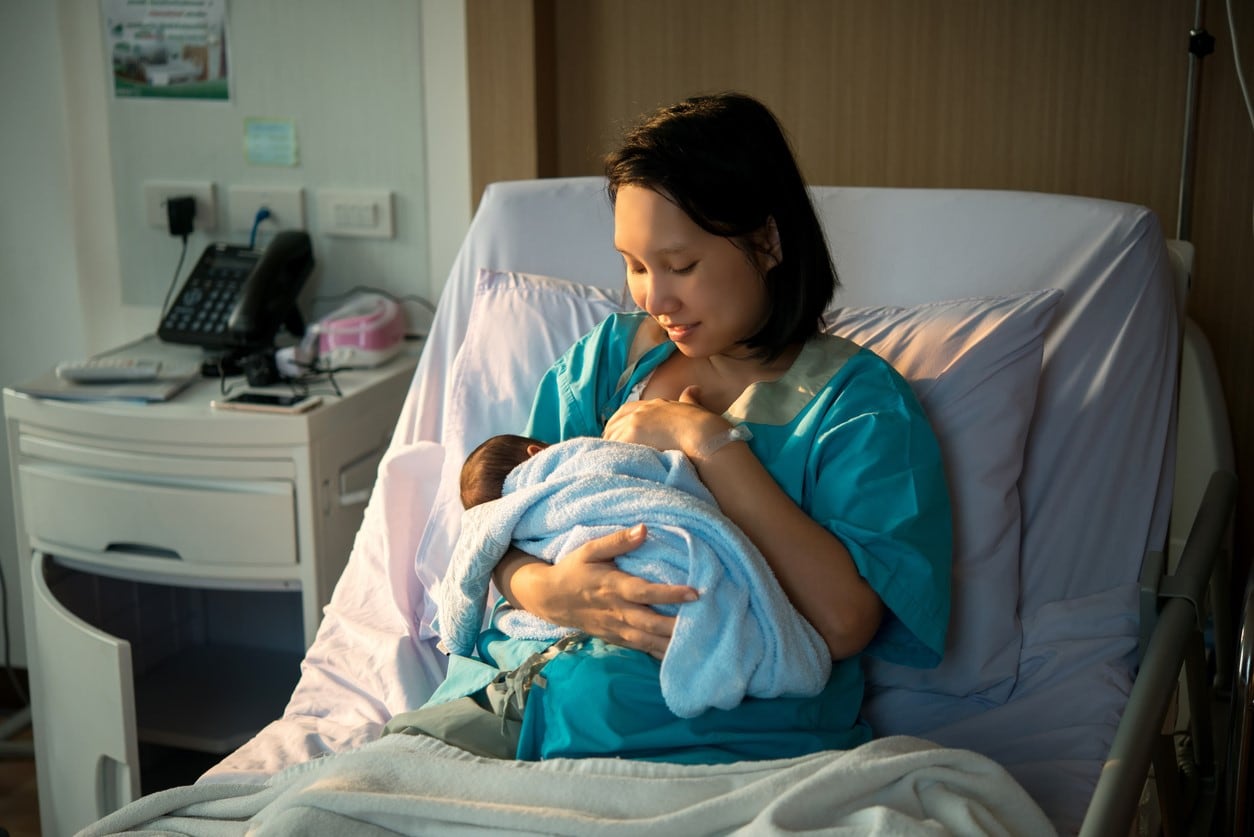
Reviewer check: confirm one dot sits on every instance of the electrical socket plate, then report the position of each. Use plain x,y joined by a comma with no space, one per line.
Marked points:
357,213
286,205
157,192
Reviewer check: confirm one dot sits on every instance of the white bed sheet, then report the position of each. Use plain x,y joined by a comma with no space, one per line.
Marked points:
1116,323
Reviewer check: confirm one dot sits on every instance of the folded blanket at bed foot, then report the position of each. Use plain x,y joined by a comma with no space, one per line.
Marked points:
401,785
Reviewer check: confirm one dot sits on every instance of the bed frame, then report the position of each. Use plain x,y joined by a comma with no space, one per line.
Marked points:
1180,756
1183,722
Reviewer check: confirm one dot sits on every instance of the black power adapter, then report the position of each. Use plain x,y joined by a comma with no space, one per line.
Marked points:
260,369
180,212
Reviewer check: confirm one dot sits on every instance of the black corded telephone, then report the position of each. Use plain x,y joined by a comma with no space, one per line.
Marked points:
236,297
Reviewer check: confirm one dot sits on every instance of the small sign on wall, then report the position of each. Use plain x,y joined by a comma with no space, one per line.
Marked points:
270,142
167,49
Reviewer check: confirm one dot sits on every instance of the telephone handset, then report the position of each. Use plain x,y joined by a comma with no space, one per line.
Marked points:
237,297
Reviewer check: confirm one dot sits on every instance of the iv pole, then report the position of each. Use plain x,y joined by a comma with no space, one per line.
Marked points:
1201,44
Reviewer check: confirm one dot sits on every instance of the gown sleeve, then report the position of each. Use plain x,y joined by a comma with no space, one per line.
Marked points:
875,479
572,393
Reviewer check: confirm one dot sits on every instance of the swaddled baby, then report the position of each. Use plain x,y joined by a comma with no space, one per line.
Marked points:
740,638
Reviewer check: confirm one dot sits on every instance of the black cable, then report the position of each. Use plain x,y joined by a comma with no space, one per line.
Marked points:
298,385
313,374
222,376
175,280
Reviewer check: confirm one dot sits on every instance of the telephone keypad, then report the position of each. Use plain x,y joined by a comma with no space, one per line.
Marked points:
203,308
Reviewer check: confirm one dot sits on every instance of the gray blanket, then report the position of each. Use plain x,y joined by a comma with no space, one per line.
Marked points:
405,784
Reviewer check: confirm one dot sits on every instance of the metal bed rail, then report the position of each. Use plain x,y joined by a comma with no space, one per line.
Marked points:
1175,642
1240,782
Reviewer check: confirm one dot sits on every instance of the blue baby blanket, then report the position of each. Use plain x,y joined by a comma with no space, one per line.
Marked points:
742,637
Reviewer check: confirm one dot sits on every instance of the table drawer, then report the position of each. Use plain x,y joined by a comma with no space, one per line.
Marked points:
194,521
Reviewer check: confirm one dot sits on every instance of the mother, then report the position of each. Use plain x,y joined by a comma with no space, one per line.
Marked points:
841,485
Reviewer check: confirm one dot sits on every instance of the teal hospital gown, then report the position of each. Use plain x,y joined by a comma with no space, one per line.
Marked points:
843,435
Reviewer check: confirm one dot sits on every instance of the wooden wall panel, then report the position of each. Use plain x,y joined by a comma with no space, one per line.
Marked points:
1222,299
509,55
1068,96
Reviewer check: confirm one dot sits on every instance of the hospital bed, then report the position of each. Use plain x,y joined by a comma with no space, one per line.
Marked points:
1044,336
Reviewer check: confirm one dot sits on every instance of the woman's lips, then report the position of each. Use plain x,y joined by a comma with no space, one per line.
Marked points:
679,333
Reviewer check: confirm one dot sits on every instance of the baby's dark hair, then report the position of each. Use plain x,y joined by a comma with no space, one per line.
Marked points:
484,472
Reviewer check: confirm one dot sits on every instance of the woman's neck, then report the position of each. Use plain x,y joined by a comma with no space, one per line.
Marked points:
740,367
722,377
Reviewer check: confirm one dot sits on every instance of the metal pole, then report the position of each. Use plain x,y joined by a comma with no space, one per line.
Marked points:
1201,44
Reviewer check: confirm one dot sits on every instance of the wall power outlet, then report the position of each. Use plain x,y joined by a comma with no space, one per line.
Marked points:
157,192
286,205
356,213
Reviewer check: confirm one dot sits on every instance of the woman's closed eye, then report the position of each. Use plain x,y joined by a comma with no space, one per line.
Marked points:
636,268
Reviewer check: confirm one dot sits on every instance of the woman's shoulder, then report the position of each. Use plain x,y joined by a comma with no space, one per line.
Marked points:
612,335
831,360
866,382
842,354
608,351
828,374
623,338
847,372
832,347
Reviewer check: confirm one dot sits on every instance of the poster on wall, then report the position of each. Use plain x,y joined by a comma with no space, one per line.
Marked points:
167,49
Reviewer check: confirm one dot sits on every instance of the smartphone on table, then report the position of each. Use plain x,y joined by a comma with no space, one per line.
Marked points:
269,402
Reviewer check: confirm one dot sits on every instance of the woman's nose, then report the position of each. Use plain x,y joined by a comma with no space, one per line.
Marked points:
659,297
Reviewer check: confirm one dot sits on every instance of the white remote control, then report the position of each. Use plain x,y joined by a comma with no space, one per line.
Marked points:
108,370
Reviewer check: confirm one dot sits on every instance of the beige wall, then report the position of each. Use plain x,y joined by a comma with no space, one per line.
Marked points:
1070,96
378,99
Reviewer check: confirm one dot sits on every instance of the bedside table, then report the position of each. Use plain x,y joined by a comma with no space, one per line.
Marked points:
175,560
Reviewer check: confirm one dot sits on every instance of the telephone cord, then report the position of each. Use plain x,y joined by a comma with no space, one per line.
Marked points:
175,279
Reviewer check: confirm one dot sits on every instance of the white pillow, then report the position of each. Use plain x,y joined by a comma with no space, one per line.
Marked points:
517,327
974,364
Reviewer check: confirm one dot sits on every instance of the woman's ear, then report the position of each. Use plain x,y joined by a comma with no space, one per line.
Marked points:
768,244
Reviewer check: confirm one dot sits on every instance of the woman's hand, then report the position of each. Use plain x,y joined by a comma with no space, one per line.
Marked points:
812,565
587,591
666,425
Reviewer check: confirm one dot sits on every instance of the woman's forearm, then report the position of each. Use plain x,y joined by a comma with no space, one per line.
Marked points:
587,591
812,565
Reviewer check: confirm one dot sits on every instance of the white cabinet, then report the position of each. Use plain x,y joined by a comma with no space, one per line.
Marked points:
99,758
175,563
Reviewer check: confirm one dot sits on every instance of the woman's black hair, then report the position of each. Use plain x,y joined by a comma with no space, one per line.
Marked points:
725,161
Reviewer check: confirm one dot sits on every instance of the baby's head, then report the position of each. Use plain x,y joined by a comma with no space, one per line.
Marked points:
484,472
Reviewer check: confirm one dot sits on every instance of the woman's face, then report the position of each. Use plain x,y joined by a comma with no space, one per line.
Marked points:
702,289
